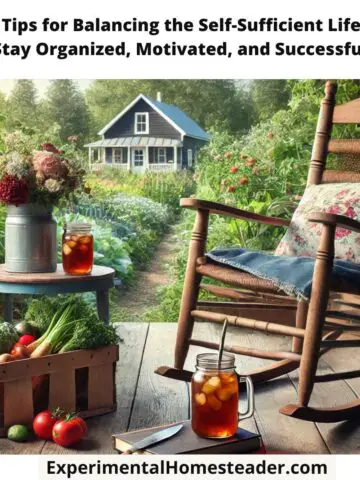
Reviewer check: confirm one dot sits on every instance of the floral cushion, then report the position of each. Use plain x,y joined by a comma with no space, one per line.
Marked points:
302,237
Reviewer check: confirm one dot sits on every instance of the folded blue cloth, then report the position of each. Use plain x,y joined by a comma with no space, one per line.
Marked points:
293,275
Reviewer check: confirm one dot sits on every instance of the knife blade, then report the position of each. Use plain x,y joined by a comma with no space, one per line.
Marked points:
154,438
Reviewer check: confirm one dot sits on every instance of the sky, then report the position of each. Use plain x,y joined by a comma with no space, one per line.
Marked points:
7,85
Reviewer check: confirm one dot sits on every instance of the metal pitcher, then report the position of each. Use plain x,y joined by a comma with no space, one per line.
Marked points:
30,239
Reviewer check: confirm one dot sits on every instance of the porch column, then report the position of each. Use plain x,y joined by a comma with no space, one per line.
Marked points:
129,158
90,155
104,154
146,158
175,158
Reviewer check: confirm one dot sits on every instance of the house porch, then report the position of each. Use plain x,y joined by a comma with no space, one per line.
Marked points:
136,154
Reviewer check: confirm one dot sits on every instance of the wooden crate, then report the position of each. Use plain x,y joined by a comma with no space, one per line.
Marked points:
81,381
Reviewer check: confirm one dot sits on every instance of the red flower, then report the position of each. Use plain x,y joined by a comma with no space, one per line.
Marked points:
234,169
49,147
270,135
231,188
13,190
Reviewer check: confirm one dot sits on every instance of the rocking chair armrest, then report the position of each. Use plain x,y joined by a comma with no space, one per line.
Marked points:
336,220
226,210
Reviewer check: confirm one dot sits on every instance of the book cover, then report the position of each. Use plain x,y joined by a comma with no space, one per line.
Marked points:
187,442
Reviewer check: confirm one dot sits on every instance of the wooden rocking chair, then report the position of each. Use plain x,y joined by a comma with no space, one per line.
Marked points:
257,304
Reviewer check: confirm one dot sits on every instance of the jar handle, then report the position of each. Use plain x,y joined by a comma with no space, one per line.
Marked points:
250,398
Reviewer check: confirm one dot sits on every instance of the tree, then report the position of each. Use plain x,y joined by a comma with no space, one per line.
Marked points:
269,96
21,105
220,104
65,105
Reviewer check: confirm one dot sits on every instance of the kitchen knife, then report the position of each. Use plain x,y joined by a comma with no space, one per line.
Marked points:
154,439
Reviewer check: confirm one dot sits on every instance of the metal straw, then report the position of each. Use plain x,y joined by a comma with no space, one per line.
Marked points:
222,341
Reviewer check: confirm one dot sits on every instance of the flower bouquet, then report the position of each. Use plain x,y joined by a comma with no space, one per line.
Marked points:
42,175
32,180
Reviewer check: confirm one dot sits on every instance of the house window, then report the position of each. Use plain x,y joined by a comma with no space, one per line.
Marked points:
142,123
118,156
161,155
138,158
190,157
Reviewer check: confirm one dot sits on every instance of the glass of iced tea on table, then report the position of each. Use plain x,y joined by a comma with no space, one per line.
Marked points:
215,396
77,249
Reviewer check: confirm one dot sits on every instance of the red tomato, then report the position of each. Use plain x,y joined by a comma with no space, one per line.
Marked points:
26,340
243,181
69,431
44,422
82,424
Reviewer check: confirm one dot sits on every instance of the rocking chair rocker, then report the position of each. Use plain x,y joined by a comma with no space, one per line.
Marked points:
315,326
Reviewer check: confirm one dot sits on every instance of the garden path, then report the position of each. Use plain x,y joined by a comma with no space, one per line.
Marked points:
142,295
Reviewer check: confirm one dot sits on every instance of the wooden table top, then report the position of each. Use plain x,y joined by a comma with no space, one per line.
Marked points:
101,278
98,273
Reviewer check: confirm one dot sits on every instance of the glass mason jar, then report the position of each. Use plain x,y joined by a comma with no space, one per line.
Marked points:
77,248
215,396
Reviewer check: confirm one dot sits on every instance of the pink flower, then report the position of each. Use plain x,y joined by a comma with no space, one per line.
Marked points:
342,193
334,209
350,212
342,232
49,165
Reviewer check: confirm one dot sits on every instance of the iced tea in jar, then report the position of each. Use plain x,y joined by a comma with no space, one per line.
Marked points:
77,249
215,396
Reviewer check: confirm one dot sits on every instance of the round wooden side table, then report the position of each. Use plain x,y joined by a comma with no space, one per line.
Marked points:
100,281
